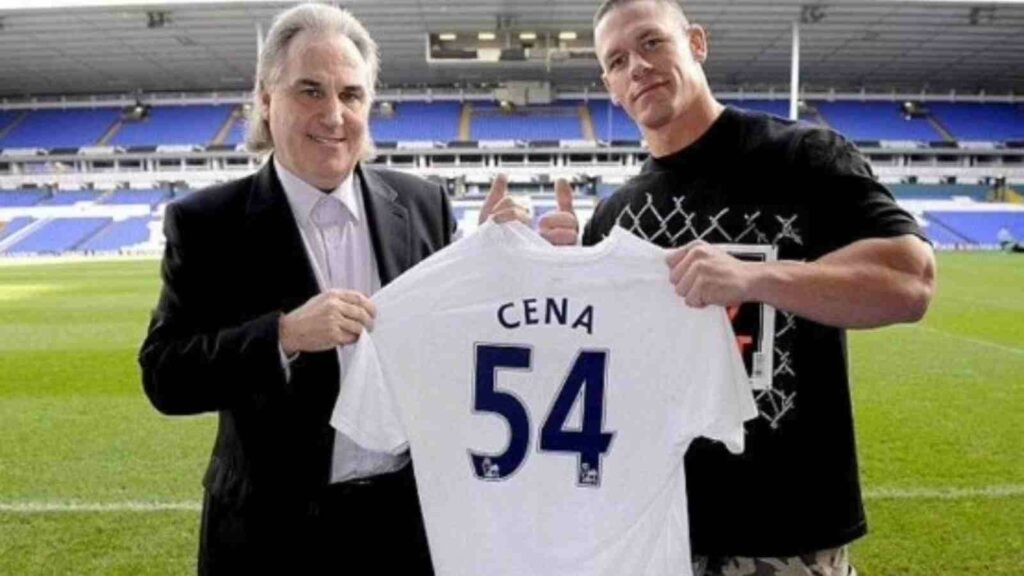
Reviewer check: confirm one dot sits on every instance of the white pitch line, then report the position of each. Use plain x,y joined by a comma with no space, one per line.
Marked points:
910,493
976,341
33,507
917,493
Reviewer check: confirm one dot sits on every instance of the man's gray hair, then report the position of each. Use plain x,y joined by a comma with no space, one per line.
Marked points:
318,19
609,5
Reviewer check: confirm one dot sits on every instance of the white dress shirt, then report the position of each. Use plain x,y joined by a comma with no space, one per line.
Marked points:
341,257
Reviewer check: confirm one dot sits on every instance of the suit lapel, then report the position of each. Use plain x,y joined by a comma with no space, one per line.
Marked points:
276,244
388,222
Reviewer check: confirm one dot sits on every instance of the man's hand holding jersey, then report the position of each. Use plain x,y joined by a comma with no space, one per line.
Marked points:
329,319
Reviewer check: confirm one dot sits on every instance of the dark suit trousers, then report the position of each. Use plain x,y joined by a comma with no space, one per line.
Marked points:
355,528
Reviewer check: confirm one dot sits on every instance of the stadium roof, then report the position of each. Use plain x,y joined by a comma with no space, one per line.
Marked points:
848,45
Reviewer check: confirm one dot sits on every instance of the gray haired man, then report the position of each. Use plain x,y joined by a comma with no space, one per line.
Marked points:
266,282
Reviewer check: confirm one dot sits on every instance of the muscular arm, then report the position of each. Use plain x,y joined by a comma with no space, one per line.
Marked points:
870,283
867,284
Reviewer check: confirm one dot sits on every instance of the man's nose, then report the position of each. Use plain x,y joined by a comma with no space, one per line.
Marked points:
334,112
638,67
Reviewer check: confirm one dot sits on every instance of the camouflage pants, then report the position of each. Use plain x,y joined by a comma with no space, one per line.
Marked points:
833,562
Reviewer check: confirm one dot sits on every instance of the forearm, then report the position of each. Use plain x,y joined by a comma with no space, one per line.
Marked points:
210,371
868,284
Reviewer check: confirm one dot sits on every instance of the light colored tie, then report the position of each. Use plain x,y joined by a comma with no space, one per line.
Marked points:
331,218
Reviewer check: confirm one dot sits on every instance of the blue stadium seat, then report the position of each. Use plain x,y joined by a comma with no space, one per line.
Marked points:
149,197
61,128
876,121
69,197
977,192
418,121
15,225
59,235
612,123
985,122
119,235
177,125
7,117
980,227
19,198
560,121
237,134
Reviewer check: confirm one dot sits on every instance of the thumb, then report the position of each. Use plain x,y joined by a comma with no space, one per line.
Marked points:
499,189
563,194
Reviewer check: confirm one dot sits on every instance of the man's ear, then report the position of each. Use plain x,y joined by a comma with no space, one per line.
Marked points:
698,38
264,104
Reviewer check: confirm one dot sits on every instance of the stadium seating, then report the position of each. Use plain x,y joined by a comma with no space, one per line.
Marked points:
980,227
175,125
942,236
560,121
982,122
59,235
150,197
978,192
611,123
18,198
421,121
876,121
61,128
237,134
15,225
69,197
8,117
119,235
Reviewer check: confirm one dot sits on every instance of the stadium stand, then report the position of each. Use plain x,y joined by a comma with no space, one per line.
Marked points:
150,197
942,236
61,128
978,192
560,121
14,226
21,198
174,125
979,227
418,121
237,134
876,121
119,235
59,235
7,118
981,122
69,197
611,123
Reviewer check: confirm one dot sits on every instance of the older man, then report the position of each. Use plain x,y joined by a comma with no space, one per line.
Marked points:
849,258
266,281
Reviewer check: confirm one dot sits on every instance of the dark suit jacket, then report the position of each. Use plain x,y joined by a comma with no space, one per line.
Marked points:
234,262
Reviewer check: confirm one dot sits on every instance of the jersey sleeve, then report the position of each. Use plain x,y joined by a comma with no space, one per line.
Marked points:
366,410
722,398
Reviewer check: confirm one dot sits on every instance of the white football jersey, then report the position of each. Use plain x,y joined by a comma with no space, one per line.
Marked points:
547,395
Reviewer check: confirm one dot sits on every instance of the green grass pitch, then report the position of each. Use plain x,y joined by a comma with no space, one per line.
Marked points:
94,481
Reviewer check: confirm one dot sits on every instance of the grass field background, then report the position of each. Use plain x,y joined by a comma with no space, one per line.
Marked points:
94,481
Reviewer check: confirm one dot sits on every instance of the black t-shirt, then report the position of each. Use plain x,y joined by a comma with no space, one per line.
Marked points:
758,179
